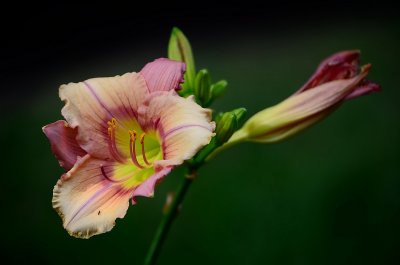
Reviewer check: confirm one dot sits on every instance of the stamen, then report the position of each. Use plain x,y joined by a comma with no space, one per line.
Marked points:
112,122
112,125
143,151
132,148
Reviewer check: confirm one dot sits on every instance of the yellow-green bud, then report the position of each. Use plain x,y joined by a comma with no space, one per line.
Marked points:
179,49
218,89
202,87
240,113
226,126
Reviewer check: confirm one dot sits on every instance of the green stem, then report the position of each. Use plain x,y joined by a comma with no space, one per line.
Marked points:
238,137
171,212
168,218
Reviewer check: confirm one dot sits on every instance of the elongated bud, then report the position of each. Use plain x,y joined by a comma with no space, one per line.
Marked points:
336,80
226,126
202,87
240,114
218,117
179,49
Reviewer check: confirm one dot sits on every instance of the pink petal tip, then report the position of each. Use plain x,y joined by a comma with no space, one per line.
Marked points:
163,74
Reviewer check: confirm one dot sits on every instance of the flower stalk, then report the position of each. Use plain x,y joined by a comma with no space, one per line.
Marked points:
168,218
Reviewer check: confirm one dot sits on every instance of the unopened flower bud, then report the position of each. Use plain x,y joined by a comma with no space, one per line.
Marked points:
226,126
179,49
336,80
240,114
218,89
202,87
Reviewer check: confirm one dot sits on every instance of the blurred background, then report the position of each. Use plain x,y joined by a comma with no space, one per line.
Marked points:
328,196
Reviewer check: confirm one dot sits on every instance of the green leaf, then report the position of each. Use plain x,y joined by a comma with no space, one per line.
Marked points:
179,49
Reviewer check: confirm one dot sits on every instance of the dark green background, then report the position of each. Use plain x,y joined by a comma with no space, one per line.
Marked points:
328,196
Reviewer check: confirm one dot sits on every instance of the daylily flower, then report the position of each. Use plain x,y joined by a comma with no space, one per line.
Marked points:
335,81
121,136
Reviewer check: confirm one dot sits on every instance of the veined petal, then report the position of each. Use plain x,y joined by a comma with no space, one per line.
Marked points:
163,75
94,193
63,143
184,126
87,202
341,65
366,88
94,102
146,189
291,129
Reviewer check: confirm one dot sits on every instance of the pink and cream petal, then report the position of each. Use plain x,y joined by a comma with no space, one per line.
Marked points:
123,135
87,202
319,98
63,143
146,189
366,88
163,75
94,102
291,129
341,65
185,126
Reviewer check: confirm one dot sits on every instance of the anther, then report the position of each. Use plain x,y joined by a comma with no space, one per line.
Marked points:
112,123
132,134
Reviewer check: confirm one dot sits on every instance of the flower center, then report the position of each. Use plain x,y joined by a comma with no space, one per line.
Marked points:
128,141
134,150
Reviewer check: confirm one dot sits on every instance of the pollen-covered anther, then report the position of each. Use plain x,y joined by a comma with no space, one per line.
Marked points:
143,150
132,148
112,125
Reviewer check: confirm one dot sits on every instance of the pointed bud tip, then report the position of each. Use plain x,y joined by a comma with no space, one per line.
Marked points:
179,49
228,123
351,56
175,32
366,68
374,88
218,89
202,87
226,126
240,114
203,71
